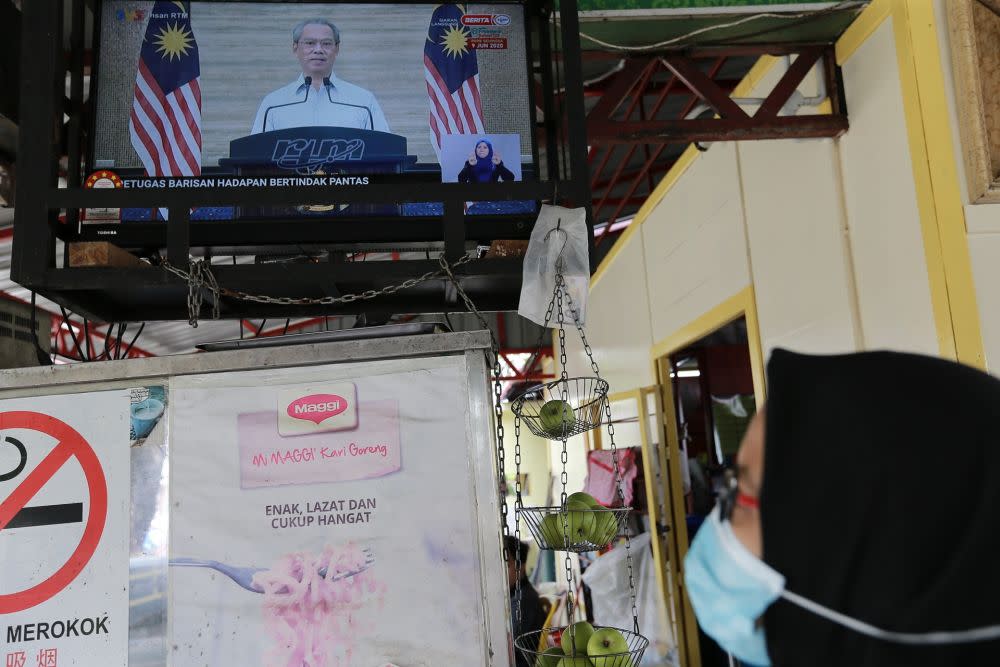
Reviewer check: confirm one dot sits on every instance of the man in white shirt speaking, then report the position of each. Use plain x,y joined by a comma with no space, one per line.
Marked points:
318,97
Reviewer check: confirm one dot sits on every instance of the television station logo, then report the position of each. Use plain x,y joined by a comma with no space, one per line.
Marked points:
308,156
485,19
100,180
486,31
130,15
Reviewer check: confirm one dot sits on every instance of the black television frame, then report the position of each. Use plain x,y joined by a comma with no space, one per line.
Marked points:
46,212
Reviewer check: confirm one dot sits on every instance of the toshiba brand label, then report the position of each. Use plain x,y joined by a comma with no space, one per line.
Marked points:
317,409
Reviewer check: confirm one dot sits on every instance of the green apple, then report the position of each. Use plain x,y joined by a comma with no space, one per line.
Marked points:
582,521
549,657
586,499
551,528
575,661
605,527
574,638
608,648
556,416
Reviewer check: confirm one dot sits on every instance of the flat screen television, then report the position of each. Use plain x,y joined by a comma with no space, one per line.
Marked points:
223,94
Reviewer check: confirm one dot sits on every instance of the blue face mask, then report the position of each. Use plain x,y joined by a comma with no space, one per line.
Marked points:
729,589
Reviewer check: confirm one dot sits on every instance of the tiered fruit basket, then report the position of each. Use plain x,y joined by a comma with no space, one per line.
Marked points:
557,411
624,652
564,408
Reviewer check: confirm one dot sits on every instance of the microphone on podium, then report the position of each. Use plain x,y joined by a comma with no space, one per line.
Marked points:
308,81
327,84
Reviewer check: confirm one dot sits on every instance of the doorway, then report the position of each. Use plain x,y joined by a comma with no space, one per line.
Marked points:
711,380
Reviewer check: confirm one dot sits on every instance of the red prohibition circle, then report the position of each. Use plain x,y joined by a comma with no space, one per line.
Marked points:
69,444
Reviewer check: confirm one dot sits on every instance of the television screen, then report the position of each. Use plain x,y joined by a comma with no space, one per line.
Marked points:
217,94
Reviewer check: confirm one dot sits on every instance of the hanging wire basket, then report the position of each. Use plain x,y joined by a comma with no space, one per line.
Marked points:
561,409
528,645
588,530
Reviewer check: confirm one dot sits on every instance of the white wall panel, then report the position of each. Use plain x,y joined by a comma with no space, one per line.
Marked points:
618,326
886,238
695,245
800,263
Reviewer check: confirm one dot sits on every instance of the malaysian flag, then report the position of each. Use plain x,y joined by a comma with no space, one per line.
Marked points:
452,73
165,123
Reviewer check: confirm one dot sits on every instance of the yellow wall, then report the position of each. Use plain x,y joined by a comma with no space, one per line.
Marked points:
982,220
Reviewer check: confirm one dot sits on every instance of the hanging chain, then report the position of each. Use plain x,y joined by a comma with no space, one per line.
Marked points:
614,459
200,277
446,269
564,456
517,514
564,375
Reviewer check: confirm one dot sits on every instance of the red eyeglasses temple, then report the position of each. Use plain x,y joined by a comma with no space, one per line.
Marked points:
743,500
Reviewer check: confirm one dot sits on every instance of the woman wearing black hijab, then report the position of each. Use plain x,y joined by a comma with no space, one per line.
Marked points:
865,526
484,166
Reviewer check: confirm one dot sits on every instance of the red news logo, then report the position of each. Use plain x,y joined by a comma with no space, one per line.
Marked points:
477,19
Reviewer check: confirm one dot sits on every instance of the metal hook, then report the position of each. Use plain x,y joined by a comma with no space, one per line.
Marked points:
559,258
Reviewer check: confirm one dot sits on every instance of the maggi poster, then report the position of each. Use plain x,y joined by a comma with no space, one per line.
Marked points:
324,521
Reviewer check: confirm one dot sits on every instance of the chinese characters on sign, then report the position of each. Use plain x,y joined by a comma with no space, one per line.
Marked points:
47,657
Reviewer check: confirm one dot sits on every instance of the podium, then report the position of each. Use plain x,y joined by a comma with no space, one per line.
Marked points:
317,151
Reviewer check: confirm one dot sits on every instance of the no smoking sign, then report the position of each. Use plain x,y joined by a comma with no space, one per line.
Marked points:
15,512
64,492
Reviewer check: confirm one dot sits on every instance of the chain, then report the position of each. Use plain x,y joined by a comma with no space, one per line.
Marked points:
446,269
568,561
200,276
614,459
517,515
564,376
564,456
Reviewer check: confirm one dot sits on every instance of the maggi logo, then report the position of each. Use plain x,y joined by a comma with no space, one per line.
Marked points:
317,407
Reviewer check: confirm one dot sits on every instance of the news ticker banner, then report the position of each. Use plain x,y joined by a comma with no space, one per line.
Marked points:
106,179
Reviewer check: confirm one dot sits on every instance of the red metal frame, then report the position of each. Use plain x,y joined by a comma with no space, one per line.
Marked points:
622,116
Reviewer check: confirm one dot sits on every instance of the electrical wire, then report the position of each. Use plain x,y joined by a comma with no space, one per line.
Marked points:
76,343
44,358
86,339
122,328
106,354
846,4
134,338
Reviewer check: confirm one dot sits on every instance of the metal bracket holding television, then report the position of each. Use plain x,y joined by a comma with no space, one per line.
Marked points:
281,189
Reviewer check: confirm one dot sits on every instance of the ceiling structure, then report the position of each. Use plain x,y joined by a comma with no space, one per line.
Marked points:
644,69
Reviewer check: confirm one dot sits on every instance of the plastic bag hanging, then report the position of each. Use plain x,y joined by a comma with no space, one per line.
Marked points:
558,245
